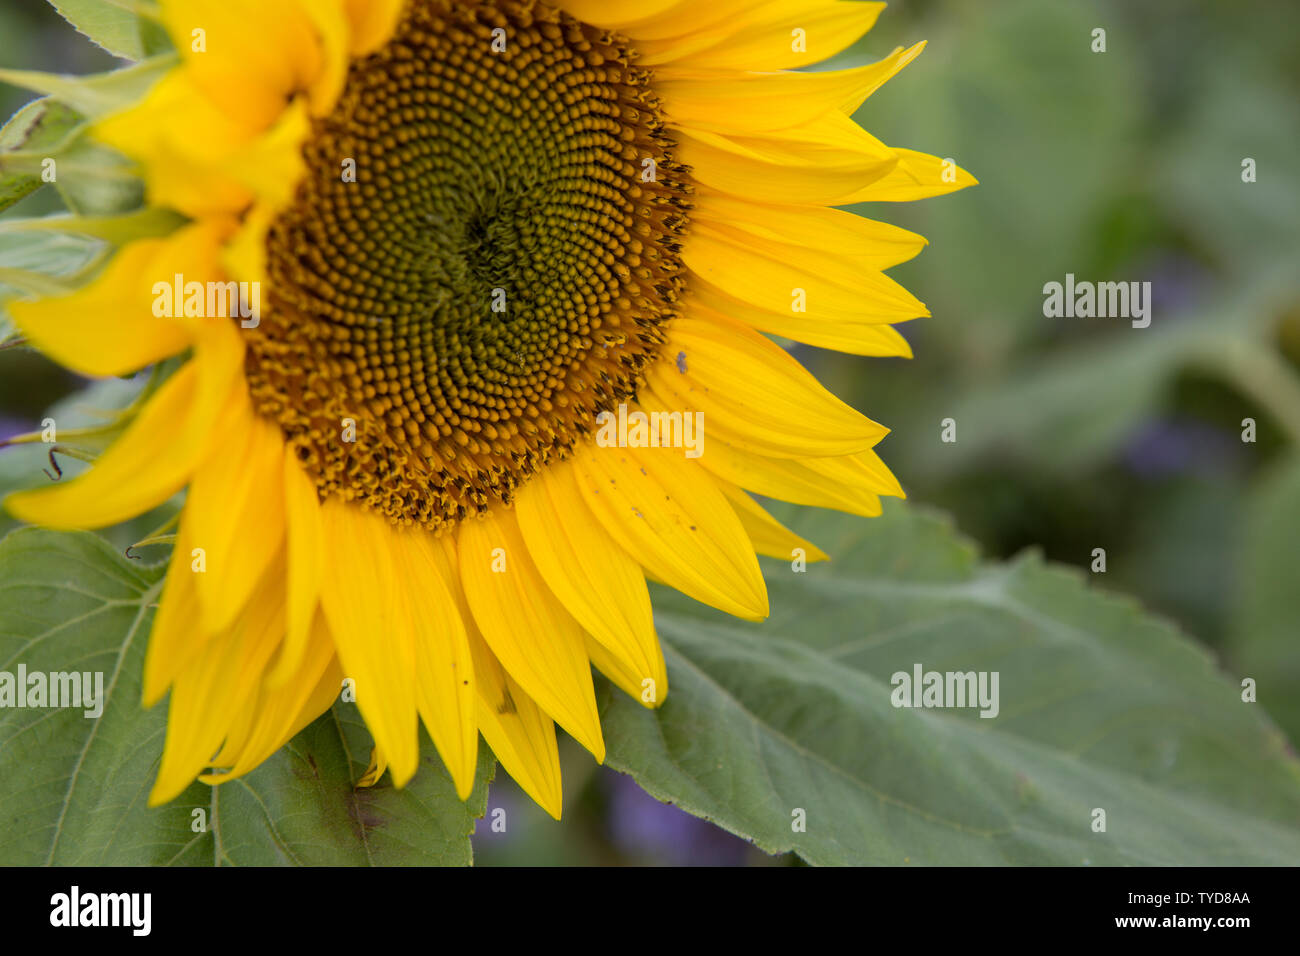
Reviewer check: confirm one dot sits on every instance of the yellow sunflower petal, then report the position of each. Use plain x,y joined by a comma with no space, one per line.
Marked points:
113,325
831,233
243,476
156,454
915,176
844,334
444,671
769,536
371,630
754,394
272,165
778,35
826,170
210,692
372,22
108,327
621,673
615,14
861,470
521,735
666,513
374,770
779,276
278,714
789,479
248,56
174,640
334,39
748,104
183,138
659,20
538,643
598,583
306,557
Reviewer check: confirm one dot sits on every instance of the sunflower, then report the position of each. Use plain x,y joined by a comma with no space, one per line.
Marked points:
450,242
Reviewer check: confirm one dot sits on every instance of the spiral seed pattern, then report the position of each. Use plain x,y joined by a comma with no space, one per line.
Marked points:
500,271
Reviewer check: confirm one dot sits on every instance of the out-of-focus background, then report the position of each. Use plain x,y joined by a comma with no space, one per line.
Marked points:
1071,434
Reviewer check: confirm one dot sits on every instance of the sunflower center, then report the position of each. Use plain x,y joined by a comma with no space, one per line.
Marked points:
480,259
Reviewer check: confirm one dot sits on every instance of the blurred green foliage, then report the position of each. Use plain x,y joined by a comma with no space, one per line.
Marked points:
1124,165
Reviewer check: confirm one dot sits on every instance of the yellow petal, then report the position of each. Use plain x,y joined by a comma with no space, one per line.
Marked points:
372,23
916,176
156,454
595,579
272,165
615,14
334,40
621,674
748,104
108,327
861,470
754,395
769,536
519,732
254,56
174,640
790,479
822,166
660,20
766,38
538,643
235,512
306,556
783,277
444,671
212,690
371,631
831,233
666,512
278,714
183,138
378,764
844,334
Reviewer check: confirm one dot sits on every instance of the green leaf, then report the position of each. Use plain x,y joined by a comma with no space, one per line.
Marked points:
91,179
96,95
125,28
147,223
1264,642
1100,707
73,789
94,180
48,263
86,423
41,125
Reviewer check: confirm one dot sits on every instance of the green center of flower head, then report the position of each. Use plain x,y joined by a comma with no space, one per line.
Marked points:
480,259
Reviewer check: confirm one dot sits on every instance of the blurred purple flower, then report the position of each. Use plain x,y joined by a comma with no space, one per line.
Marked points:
1175,446
10,426
641,825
